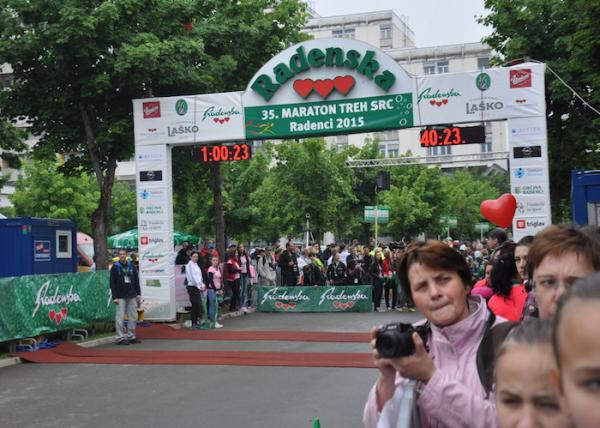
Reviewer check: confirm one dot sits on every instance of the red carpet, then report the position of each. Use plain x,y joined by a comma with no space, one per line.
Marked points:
162,331
69,353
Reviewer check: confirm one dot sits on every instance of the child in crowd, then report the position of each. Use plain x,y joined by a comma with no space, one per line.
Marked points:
215,287
577,351
525,394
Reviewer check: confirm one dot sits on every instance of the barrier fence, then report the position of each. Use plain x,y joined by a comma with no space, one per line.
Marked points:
40,304
352,298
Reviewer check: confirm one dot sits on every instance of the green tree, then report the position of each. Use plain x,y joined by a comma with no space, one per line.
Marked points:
77,65
123,215
44,192
306,178
11,145
566,36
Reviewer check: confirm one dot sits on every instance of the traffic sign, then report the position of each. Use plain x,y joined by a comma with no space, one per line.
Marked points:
379,212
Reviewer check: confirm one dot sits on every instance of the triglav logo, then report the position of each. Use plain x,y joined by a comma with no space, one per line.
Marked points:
145,240
530,224
520,78
437,98
181,107
151,109
483,81
43,299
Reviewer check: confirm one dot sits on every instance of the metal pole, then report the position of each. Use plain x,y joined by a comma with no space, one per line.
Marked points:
307,232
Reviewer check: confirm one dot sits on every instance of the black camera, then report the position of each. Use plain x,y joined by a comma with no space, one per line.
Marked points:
395,339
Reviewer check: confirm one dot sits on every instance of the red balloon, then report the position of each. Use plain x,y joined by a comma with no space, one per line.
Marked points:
500,211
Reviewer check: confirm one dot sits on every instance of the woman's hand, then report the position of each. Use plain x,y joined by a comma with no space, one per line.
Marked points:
418,366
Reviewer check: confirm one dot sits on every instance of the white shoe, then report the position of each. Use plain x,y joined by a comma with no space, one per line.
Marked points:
217,325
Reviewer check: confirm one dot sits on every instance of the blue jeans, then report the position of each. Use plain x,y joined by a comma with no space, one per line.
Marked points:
211,300
244,292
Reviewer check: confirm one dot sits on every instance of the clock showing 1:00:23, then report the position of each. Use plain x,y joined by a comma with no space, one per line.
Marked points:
222,153
452,135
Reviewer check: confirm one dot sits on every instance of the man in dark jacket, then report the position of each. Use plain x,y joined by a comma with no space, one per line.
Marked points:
288,262
126,294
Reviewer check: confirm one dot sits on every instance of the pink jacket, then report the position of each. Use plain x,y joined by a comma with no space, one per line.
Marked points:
454,396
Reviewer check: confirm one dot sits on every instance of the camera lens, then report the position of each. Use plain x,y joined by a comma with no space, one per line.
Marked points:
395,340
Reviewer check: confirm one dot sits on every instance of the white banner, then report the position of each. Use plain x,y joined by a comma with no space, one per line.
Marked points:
188,119
490,94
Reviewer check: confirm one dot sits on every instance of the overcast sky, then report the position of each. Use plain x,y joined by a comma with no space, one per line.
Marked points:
434,22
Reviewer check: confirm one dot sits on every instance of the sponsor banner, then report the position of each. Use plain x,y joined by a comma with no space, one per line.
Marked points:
41,304
531,206
523,226
155,242
155,263
529,189
158,293
151,195
480,95
533,152
188,119
315,299
529,173
151,225
150,158
331,117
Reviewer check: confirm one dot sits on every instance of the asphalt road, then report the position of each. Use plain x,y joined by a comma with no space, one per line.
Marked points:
87,395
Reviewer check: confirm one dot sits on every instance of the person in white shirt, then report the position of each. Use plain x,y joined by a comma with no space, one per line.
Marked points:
194,284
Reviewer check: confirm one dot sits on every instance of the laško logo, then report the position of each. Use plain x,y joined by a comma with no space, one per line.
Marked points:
151,109
520,78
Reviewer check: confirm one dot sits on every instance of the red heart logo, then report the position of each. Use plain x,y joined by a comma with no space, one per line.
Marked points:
216,120
221,121
438,103
52,314
344,84
324,87
279,304
226,119
500,211
432,102
303,87
58,319
64,312
445,101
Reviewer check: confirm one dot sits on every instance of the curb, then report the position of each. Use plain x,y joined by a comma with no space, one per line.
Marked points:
11,361
98,342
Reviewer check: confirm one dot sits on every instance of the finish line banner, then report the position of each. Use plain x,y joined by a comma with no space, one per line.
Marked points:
40,304
353,298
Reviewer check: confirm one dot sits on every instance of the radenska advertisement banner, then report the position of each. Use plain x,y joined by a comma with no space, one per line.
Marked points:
353,298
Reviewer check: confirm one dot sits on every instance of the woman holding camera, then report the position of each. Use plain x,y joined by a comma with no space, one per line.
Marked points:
450,392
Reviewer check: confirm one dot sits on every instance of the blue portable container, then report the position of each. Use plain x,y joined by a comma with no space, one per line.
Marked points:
34,246
585,195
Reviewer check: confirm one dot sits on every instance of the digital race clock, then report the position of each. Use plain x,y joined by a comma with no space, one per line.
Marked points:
452,135
222,152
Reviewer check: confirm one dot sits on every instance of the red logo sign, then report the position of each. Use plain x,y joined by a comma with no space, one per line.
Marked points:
144,240
343,84
520,78
151,109
521,224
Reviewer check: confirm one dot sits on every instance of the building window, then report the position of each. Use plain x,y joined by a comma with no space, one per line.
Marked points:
442,67
439,151
382,150
340,142
429,69
483,63
345,33
385,34
487,146
438,67
393,150
387,135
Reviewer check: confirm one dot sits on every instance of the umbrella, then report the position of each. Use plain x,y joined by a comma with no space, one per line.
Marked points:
129,239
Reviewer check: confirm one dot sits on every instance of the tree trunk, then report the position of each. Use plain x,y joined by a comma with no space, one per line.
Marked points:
100,218
217,184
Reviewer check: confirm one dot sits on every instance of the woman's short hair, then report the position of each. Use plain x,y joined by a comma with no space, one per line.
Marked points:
557,240
434,255
586,289
525,241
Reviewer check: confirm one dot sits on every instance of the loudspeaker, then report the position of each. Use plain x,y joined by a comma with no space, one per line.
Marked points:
383,180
